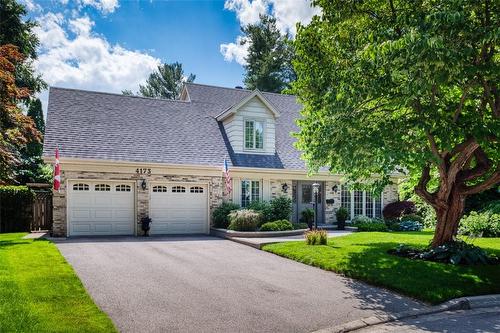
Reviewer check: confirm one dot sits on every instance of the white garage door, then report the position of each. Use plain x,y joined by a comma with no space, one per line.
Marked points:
179,209
100,208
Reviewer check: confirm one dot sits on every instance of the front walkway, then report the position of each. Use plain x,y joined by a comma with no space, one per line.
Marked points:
208,284
259,242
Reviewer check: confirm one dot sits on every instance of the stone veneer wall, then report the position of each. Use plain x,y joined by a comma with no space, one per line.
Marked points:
331,209
59,200
277,190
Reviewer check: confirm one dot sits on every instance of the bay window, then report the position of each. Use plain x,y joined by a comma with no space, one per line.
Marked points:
360,203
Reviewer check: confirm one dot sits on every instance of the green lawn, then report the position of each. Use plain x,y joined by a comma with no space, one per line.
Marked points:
39,291
364,256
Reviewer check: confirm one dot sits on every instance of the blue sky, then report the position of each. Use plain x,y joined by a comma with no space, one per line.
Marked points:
111,45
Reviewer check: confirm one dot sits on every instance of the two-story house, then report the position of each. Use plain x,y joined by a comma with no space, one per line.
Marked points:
125,157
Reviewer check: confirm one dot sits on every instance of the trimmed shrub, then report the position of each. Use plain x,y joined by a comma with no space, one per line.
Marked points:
15,208
364,223
281,208
316,237
297,226
220,215
264,208
412,217
341,214
280,225
395,210
484,224
244,220
492,207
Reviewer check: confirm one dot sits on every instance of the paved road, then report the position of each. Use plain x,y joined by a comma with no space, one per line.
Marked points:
486,320
207,284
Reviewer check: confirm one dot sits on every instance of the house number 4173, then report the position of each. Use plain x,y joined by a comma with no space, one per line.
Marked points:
143,171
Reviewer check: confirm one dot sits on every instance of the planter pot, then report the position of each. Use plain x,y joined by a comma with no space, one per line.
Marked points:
341,225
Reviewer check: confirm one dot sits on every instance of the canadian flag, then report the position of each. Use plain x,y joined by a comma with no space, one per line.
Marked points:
57,172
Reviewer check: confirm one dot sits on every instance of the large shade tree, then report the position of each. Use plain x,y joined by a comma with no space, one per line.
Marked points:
269,60
404,85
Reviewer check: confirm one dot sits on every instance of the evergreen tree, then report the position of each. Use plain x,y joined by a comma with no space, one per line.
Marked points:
269,56
166,82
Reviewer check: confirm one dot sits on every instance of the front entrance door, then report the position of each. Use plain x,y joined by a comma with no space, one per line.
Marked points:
305,198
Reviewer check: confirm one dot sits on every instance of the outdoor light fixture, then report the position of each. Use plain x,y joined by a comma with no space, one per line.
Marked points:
143,184
335,188
284,187
315,188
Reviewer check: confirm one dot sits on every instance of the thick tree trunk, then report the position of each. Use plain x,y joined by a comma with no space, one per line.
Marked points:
448,213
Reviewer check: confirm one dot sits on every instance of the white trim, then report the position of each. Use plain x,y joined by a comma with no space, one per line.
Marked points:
254,120
233,109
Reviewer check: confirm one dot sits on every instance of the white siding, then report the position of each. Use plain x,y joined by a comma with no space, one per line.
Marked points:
253,110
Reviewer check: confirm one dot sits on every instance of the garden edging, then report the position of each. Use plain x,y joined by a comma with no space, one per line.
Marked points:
254,234
462,303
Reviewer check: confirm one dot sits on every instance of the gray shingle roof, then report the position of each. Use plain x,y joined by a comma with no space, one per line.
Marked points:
94,125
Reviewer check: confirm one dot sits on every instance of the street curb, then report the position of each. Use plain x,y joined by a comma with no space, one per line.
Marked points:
462,303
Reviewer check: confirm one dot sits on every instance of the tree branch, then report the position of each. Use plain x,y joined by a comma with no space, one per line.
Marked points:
461,104
421,188
483,165
493,180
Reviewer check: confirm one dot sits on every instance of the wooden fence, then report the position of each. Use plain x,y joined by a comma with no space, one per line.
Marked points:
42,211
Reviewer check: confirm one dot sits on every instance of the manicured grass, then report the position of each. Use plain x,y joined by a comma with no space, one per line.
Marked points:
39,291
364,256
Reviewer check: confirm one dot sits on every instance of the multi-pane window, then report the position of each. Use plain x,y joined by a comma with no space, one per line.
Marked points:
369,204
358,203
196,189
345,200
254,134
80,187
378,206
306,194
159,188
102,187
178,189
123,188
250,191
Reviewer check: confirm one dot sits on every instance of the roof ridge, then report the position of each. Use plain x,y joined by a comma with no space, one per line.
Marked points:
121,95
238,89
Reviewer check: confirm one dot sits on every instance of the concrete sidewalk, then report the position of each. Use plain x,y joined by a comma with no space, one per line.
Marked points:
258,243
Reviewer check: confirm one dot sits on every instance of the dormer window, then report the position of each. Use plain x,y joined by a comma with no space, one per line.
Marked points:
254,134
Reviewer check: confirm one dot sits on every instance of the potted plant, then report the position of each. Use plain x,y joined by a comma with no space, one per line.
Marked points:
342,214
307,217
145,225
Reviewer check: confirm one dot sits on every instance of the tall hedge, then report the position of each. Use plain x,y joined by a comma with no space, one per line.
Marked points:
15,208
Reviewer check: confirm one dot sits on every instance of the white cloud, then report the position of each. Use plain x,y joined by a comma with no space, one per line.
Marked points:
235,51
287,13
247,11
31,5
87,61
105,6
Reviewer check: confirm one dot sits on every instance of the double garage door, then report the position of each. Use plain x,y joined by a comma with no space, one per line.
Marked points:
108,208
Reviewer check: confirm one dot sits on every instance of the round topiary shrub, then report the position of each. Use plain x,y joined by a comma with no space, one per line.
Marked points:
396,209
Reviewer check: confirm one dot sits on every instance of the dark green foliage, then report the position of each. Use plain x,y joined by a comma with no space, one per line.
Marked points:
33,169
298,226
492,207
307,217
478,202
19,32
412,217
280,225
220,215
166,82
15,208
342,214
409,225
269,56
483,224
264,208
364,223
244,220
281,208
455,253
316,237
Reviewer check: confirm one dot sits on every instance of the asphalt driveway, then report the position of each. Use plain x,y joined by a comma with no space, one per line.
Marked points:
206,284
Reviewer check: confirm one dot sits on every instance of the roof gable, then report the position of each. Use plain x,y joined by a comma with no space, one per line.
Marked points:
255,94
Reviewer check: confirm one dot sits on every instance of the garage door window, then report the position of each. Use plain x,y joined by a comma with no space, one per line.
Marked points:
123,188
196,189
102,187
80,187
160,189
178,189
